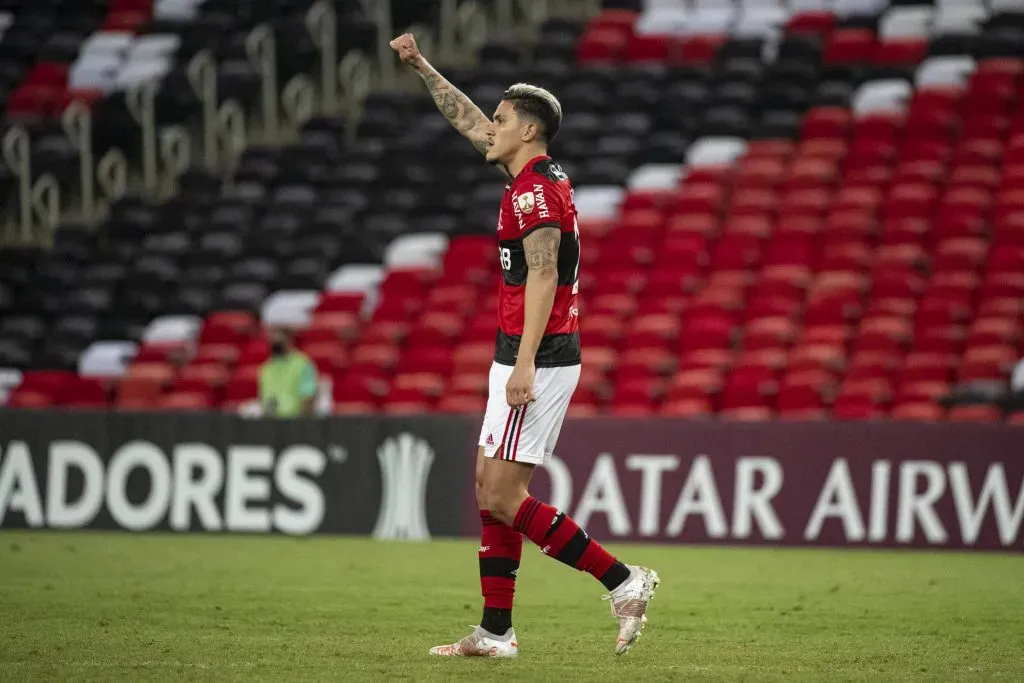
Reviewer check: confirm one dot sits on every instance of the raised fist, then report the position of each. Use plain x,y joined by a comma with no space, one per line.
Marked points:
405,46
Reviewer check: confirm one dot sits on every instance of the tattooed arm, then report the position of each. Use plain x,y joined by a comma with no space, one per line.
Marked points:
541,248
460,111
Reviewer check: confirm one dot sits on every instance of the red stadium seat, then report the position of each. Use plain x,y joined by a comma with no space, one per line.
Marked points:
340,302
856,408
975,414
917,412
188,401
228,327
201,378
905,51
470,383
690,384
461,404
27,398
241,388
84,393
692,408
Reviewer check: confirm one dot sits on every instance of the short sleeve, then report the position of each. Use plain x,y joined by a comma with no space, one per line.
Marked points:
537,204
307,380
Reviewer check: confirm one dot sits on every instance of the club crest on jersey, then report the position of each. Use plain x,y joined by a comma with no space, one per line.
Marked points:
526,202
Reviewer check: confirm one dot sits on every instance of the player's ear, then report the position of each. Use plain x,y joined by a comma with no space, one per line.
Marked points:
530,131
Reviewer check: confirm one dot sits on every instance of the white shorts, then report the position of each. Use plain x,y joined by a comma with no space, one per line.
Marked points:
528,433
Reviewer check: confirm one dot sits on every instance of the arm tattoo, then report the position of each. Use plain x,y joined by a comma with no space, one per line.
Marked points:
456,107
541,249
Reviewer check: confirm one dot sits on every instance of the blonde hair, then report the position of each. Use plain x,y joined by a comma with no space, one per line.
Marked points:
537,103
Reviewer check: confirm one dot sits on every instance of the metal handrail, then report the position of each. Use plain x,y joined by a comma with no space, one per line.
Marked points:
339,88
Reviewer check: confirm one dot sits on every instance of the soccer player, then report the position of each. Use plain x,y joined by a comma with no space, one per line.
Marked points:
536,363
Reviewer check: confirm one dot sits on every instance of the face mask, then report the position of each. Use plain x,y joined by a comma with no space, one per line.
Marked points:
278,348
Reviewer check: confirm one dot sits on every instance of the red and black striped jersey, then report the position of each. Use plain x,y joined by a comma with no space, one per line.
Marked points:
541,196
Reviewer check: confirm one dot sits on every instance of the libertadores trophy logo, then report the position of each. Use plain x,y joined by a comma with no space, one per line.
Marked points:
405,462
526,202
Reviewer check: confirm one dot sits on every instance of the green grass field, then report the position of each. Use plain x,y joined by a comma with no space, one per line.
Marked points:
91,606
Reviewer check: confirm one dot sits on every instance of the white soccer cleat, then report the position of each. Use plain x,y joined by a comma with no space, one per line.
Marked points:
629,605
481,643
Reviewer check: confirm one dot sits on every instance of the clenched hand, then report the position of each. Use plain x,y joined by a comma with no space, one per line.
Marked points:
519,389
405,46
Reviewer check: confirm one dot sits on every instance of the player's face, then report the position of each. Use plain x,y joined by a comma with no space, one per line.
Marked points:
506,134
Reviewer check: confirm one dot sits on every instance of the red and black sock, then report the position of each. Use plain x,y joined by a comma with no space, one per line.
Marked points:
560,537
501,549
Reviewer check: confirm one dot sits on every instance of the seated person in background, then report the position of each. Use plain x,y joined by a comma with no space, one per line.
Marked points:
1017,378
288,379
1015,401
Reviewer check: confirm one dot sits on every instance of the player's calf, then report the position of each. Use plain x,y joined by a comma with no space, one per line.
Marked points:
501,549
558,536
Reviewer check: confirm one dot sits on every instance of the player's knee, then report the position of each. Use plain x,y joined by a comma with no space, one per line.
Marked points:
487,497
501,501
503,508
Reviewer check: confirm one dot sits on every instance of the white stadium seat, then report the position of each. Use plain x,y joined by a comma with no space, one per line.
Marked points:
141,71
177,10
906,22
762,4
859,8
774,16
1013,6
763,22
874,97
655,177
715,151
107,358
797,6
172,328
10,378
107,43
356,278
943,71
959,19
661,21
289,308
663,4
97,71
701,6
417,250
599,202
713,20
155,45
